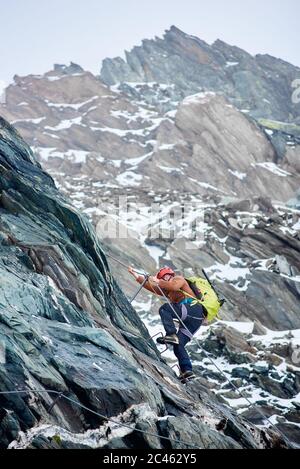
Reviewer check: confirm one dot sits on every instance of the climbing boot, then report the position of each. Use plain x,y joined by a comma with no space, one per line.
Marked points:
168,339
187,376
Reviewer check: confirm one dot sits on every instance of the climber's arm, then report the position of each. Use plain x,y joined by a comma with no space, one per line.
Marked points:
149,285
175,284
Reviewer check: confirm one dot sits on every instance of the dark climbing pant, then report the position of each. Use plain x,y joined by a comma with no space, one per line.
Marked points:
192,318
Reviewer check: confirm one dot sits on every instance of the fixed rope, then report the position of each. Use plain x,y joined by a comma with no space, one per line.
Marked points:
235,388
124,265
60,395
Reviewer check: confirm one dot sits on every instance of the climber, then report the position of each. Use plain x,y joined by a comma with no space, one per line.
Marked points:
191,314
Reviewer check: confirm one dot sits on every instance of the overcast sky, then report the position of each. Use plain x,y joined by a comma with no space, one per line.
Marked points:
35,34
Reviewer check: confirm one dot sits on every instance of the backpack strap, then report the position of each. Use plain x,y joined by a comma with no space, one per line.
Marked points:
221,300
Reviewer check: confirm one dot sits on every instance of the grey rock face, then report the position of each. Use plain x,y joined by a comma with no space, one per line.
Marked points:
66,326
68,69
260,84
139,419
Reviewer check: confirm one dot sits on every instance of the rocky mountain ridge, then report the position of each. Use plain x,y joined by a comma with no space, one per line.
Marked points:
262,84
154,134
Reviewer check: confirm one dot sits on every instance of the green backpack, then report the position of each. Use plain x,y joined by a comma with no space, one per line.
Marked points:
206,295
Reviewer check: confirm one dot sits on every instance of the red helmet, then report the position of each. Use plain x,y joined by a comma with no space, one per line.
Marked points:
165,271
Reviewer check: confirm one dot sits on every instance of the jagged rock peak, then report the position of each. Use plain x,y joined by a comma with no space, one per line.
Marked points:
253,84
68,69
175,32
59,70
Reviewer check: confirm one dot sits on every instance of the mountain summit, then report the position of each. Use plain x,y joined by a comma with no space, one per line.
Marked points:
262,85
